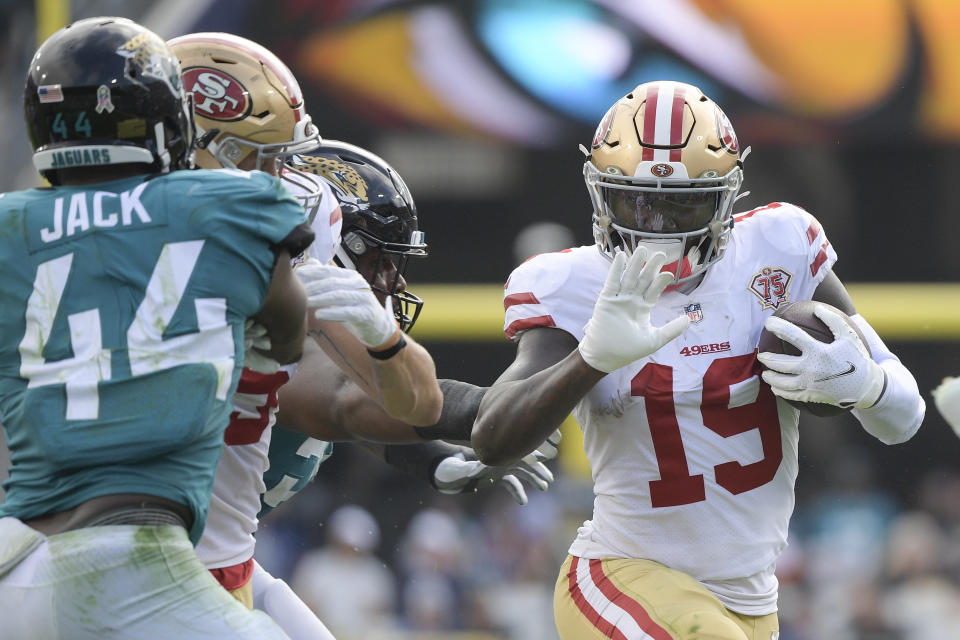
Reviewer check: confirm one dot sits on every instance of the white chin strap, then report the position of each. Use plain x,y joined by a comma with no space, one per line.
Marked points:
672,247
344,258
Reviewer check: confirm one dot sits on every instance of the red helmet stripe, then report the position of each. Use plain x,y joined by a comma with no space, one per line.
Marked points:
676,123
650,122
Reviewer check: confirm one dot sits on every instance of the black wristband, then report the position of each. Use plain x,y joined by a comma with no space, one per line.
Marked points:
461,402
386,354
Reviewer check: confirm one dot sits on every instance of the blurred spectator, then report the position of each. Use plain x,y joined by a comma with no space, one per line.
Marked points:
433,593
517,589
939,495
793,604
868,619
843,533
921,601
344,583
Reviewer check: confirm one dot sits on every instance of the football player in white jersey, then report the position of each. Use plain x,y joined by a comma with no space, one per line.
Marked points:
650,337
250,115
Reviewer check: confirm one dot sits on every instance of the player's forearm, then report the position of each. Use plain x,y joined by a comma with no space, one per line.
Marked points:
461,402
898,413
284,313
516,416
287,347
407,384
346,352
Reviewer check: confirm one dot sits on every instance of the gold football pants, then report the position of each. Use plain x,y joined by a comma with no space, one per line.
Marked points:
626,599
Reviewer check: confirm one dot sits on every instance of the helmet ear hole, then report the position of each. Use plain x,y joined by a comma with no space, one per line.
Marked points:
354,243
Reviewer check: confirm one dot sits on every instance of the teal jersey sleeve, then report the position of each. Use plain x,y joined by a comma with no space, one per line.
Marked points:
121,319
294,462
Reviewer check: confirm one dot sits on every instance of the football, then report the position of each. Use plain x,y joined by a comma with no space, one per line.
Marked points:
801,314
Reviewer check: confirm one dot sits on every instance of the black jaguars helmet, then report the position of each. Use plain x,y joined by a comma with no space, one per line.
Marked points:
378,214
105,91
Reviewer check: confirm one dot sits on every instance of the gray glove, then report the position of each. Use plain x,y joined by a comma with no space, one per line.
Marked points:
463,473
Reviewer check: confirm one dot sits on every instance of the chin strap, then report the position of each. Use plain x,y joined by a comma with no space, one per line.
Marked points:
205,138
342,259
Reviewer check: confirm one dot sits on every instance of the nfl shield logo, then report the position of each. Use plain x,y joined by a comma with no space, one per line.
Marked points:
694,312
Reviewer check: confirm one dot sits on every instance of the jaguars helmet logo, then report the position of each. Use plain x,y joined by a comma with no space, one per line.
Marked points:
149,56
342,177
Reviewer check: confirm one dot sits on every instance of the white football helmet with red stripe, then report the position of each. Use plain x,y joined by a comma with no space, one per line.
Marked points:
245,101
663,171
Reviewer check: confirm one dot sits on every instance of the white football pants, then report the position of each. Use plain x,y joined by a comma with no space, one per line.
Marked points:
275,597
115,582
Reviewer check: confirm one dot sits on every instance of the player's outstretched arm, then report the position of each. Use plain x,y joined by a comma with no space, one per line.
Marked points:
362,337
323,402
551,372
453,469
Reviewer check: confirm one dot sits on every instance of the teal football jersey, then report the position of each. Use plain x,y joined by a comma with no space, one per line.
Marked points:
294,462
121,331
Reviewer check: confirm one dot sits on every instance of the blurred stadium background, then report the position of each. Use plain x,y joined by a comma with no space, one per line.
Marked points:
853,112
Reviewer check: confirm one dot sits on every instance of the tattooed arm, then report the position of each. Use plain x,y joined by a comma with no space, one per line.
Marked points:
404,384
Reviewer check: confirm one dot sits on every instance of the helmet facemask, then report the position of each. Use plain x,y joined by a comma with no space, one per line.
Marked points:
230,150
303,186
375,259
689,220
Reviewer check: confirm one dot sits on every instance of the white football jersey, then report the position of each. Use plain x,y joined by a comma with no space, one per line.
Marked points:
228,538
235,502
325,218
693,457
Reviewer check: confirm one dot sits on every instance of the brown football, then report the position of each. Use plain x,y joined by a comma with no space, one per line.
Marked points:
801,314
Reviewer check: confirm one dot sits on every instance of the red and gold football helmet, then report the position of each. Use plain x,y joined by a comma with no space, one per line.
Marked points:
663,171
245,101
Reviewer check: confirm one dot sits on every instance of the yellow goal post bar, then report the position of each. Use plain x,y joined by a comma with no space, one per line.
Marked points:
915,312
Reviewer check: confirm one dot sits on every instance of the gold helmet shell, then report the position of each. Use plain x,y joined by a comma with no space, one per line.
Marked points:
245,100
664,167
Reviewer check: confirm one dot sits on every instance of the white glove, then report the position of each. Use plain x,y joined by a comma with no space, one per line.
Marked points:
620,331
255,340
342,295
947,398
551,446
463,473
840,373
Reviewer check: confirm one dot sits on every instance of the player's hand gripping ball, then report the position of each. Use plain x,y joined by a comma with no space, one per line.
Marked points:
802,314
